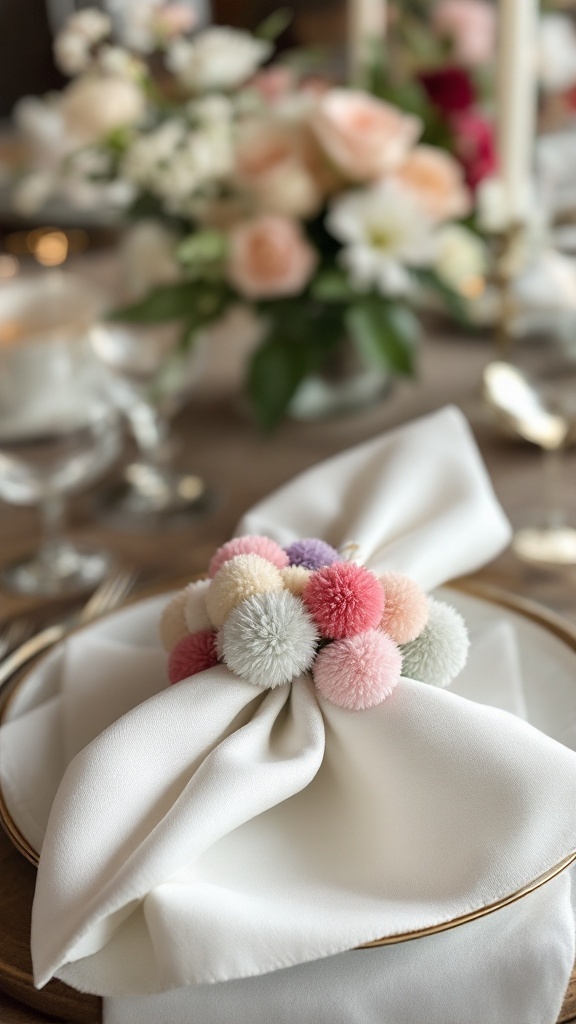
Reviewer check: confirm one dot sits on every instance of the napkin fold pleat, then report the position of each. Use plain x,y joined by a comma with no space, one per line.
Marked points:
417,500
513,966
141,842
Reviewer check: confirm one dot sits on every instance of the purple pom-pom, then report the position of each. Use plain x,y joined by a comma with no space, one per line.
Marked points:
312,553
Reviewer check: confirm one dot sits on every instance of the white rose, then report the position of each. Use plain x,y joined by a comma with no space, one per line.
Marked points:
92,107
218,58
72,46
461,260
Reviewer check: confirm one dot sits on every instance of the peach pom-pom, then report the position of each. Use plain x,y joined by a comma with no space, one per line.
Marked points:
406,607
172,622
248,545
359,672
295,578
195,653
237,580
344,599
195,611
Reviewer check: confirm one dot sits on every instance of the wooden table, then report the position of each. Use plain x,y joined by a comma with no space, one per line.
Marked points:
220,442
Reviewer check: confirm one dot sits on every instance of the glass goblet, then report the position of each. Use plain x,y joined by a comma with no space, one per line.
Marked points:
59,430
150,378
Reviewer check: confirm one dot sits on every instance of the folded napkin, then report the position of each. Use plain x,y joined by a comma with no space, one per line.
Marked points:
218,832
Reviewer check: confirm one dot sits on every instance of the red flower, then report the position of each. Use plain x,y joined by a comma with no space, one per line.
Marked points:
449,89
474,145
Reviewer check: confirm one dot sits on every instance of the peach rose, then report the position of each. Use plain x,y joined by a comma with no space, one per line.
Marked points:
470,26
363,136
437,181
271,161
270,257
93,107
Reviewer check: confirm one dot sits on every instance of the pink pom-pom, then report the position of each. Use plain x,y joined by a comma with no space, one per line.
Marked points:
344,599
248,545
359,672
406,608
195,653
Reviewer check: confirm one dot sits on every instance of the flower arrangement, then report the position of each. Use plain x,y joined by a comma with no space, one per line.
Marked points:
317,205
271,614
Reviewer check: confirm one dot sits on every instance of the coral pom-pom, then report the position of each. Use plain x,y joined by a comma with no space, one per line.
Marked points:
295,578
441,650
269,639
344,599
406,607
172,622
195,653
359,672
195,612
238,579
312,553
248,545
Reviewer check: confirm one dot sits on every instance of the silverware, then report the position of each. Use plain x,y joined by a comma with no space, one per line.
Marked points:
14,633
108,595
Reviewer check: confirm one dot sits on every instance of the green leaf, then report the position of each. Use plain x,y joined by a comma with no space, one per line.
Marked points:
275,24
202,247
454,302
166,302
386,332
332,285
191,301
276,370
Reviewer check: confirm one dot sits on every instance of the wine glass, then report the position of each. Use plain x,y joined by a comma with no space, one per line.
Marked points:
150,376
59,430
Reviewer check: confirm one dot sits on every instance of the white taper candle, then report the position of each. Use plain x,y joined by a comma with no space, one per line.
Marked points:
517,101
366,29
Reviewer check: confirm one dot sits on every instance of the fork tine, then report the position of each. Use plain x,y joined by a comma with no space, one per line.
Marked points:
13,634
111,592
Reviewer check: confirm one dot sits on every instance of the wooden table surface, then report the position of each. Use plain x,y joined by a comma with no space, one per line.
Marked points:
220,442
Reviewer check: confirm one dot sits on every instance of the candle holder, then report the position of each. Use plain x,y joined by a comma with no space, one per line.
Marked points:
508,245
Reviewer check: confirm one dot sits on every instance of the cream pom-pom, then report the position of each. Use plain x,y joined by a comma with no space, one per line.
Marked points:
441,650
237,579
269,639
173,626
195,611
295,578
406,607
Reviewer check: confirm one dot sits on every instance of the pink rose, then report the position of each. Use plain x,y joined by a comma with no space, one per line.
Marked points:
174,20
470,26
436,179
273,83
270,257
272,161
363,136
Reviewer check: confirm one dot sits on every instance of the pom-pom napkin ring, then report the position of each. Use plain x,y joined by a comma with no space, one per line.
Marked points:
271,614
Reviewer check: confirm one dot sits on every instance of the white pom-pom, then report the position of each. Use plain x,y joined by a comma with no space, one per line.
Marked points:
173,626
269,639
441,650
195,611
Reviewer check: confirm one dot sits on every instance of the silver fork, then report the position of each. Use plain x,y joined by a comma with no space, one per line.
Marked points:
107,596
14,633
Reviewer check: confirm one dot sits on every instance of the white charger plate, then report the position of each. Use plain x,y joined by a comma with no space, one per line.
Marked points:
547,665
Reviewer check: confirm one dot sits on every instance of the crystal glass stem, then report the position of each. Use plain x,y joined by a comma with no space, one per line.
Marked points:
553,484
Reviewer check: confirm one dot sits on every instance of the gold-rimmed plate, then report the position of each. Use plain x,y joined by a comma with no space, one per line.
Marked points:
537,627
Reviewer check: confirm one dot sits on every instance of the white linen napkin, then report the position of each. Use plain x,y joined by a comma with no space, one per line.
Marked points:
215,832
